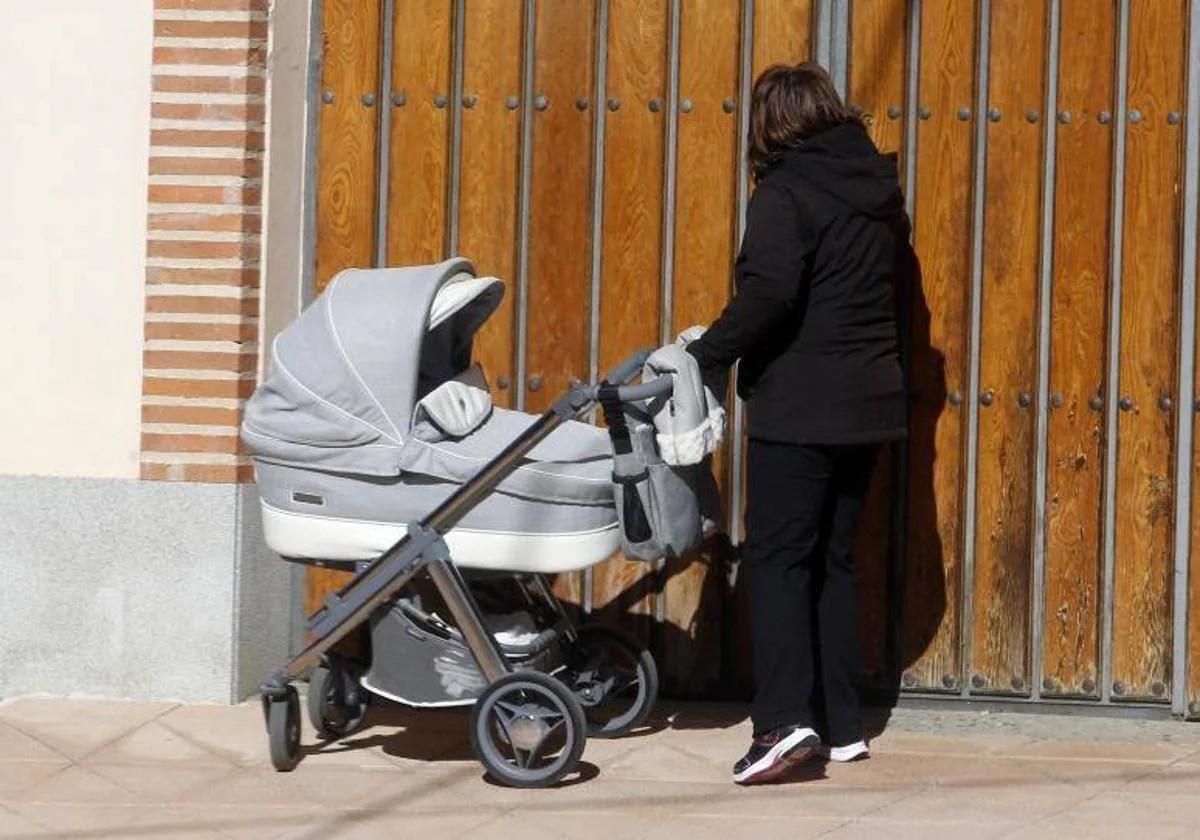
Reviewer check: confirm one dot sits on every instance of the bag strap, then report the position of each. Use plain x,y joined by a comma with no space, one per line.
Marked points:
614,417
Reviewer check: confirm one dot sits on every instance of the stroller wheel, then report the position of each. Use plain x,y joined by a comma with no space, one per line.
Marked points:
615,679
283,729
528,730
328,709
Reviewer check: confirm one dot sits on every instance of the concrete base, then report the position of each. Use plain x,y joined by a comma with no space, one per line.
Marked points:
138,589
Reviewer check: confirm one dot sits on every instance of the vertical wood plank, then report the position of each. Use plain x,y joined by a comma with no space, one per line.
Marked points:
930,649
560,186
1193,624
346,176
1079,303
487,209
559,212
1141,656
346,139
422,47
1008,363
782,32
878,42
704,238
878,30
631,256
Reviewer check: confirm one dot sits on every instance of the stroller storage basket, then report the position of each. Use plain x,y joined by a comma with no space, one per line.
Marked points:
429,663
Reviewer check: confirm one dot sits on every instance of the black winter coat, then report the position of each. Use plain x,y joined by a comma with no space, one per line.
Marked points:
813,314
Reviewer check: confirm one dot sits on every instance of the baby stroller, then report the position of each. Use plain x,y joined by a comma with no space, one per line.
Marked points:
377,451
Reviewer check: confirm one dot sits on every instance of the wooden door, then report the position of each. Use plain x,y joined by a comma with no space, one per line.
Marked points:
550,142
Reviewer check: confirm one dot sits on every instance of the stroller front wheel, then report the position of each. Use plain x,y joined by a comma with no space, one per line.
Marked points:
615,679
283,729
528,730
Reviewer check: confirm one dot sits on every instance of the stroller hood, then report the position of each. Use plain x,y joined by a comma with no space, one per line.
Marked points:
344,378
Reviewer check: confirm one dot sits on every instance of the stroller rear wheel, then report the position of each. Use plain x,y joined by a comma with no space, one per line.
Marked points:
337,704
283,729
615,679
528,730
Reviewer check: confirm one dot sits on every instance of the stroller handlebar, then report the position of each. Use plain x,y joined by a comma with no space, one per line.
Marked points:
659,387
625,372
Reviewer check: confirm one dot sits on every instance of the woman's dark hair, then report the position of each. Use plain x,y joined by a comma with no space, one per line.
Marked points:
788,105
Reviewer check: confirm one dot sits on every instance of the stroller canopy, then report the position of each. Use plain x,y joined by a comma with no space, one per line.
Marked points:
344,378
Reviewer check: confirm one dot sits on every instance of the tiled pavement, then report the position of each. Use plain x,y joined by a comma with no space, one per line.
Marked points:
93,768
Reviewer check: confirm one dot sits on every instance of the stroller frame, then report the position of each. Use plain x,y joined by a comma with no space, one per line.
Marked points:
424,549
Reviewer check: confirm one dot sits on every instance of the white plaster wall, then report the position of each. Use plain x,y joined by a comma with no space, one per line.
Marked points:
74,137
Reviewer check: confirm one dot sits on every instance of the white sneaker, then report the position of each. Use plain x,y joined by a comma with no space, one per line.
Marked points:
850,752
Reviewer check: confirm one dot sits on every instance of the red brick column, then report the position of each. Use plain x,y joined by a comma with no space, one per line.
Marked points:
204,236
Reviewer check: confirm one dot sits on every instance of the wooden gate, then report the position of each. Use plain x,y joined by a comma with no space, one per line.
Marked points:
1032,538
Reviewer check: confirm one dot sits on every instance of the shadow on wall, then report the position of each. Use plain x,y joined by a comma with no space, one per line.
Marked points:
918,590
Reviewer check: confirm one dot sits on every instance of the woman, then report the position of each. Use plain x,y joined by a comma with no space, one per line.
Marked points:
813,323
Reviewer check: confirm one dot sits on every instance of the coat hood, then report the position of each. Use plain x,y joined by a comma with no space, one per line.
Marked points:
844,163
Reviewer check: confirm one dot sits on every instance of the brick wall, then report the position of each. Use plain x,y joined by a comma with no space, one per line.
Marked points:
203,236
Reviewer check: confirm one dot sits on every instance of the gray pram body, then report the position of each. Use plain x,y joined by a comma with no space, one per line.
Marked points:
377,450
345,458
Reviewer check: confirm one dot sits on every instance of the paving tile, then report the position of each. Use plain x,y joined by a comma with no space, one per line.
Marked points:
855,830
240,822
340,788
165,822
1173,807
382,746
163,784
75,726
81,785
559,826
1091,776
806,799
1070,826
930,829
590,794
1098,751
18,776
15,826
17,746
154,744
1176,778
663,761
737,826
81,821
236,733
898,741
990,801
371,825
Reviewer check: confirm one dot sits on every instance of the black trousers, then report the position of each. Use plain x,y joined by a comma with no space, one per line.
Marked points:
802,511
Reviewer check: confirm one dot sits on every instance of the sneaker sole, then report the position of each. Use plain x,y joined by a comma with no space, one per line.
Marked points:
842,755
785,755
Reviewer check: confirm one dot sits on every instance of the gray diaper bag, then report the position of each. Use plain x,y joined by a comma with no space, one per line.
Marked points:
664,510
